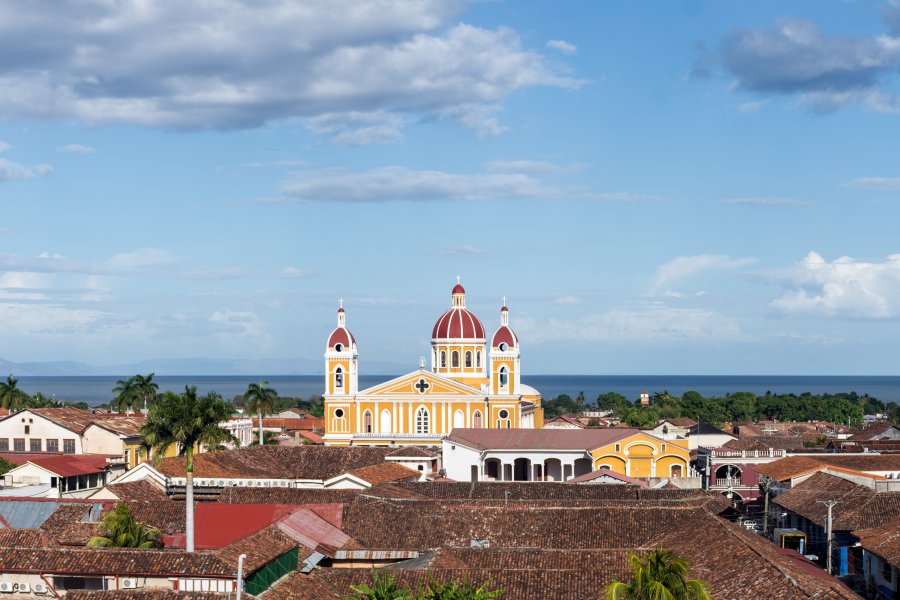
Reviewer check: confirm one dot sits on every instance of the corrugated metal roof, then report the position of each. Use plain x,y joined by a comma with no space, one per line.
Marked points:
27,514
309,529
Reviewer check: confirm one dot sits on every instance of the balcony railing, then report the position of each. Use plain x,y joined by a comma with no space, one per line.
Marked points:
733,482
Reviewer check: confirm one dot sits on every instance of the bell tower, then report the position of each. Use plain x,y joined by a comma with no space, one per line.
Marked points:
504,357
341,369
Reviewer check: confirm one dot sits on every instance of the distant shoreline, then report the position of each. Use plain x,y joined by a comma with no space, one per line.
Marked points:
97,389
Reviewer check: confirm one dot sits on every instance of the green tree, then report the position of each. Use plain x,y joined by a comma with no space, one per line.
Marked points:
458,590
6,466
613,401
659,575
126,397
261,399
118,529
11,396
384,587
186,421
145,388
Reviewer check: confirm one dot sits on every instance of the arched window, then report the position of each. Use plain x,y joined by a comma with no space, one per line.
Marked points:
443,359
478,359
422,420
454,360
339,379
504,377
459,419
476,419
367,422
385,421
468,359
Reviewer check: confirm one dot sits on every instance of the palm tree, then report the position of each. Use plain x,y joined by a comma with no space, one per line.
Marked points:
384,587
145,388
187,422
458,590
261,400
11,396
126,396
118,529
660,575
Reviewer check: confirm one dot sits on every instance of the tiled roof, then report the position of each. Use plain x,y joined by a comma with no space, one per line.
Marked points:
539,439
127,425
248,495
115,561
795,466
384,473
67,465
73,419
142,489
25,538
858,507
148,595
69,524
291,424
277,462
410,452
297,586
765,442
565,419
165,515
604,472
261,548
872,431
682,422
705,429
883,540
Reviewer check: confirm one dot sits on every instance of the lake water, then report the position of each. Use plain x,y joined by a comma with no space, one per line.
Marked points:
98,389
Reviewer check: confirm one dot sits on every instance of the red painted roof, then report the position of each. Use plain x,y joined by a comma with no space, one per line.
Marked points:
458,289
341,335
64,465
458,323
505,335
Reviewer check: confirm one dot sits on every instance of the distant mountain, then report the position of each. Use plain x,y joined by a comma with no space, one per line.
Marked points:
192,366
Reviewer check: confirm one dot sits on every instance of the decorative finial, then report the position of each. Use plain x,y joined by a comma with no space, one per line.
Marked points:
341,302
421,362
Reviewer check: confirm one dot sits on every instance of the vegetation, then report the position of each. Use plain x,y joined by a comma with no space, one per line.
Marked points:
659,575
261,399
314,405
385,587
11,396
134,393
186,421
845,408
118,529
6,466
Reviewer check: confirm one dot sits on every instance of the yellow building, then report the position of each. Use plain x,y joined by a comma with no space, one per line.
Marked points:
471,384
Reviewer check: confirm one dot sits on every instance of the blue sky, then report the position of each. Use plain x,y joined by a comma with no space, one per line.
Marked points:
675,187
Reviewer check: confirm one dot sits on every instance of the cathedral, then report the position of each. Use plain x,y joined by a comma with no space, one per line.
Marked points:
471,384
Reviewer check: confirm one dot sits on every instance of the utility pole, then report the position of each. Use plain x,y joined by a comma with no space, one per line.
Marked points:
829,504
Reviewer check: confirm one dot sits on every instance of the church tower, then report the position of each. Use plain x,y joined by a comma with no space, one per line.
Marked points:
504,355
458,343
341,370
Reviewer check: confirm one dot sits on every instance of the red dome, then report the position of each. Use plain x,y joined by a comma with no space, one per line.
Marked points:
458,323
458,289
341,336
505,335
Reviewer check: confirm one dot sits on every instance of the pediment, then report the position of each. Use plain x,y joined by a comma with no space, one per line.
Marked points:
421,383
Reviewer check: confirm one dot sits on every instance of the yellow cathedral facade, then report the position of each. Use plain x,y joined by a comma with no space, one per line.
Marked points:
473,382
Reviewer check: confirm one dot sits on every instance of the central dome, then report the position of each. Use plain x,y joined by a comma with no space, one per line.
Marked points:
458,322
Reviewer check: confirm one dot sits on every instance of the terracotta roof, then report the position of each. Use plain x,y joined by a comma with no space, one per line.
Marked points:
858,507
143,489
872,431
566,419
249,495
410,452
384,473
765,442
883,540
25,538
291,424
73,419
277,462
297,586
149,595
261,548
69,524
682,422
127,425
795,466
539,439
604,472
115,561
165,515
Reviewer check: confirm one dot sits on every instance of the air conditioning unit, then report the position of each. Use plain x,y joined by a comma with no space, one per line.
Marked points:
41,588
24,588
6,587
129,583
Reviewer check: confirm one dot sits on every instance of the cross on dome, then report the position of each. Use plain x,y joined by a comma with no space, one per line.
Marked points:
504,300
341,302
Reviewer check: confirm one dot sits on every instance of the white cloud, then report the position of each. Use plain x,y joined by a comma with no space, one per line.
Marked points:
142,257
76,149
767,201
682,267
274,163
290,272
4,146
651,323
562,46
356,128
237,64
10,171
844,287
752,107
567,300
875,183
